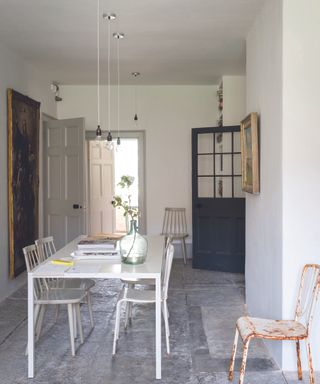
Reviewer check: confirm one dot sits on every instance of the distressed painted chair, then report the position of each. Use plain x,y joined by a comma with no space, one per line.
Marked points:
44,295
142,296
175,226
296,330
46,248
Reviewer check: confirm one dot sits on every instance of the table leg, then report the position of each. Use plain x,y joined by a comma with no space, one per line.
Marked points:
158,328
30,327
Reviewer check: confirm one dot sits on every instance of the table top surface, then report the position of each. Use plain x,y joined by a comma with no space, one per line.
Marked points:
151,268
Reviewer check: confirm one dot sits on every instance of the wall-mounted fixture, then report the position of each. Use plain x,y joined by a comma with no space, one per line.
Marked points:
55,89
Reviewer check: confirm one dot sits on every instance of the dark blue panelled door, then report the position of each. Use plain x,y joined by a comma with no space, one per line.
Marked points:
218,203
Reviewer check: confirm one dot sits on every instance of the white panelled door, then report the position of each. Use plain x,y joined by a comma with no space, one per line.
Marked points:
101,188
63,146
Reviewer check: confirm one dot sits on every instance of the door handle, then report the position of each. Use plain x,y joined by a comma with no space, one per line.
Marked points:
77,206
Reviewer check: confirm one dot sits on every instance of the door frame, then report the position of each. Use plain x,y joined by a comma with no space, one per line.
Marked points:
140,135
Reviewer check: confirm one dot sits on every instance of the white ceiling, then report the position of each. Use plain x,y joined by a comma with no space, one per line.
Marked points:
168,41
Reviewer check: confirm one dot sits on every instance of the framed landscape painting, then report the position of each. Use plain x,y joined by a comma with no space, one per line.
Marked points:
250,153
23,176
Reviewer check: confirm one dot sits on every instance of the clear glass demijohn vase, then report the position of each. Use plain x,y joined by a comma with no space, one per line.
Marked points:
133,246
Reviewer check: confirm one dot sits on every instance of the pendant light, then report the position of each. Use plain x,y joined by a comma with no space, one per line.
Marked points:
109,17
98,130
118,36
135,118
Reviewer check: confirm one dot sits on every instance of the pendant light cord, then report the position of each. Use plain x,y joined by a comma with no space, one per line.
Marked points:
109,91
118,65
98,61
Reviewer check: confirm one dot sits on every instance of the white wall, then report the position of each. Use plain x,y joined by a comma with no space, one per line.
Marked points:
25,78
264,211
234,99
167,114
301,154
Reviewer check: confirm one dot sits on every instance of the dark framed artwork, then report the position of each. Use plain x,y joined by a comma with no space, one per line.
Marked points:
23,176
250,153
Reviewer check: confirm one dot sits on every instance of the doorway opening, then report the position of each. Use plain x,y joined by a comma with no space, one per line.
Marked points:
104,171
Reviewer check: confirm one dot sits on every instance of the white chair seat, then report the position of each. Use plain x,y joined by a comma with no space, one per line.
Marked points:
61,296
137,295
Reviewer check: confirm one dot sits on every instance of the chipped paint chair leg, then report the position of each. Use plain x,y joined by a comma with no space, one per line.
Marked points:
311,372
299,360
233,356
244,361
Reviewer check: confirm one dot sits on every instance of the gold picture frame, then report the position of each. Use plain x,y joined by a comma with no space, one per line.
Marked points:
23,176
249,136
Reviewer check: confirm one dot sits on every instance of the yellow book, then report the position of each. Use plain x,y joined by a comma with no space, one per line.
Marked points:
62,261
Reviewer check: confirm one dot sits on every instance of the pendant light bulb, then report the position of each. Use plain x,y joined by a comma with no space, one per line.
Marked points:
109,143
98,133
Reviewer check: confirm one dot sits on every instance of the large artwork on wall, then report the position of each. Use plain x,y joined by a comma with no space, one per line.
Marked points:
23,176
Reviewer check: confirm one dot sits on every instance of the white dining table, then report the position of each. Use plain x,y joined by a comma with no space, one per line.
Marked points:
99,269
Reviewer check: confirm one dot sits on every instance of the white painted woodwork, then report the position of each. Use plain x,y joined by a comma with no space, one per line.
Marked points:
101,188
64,179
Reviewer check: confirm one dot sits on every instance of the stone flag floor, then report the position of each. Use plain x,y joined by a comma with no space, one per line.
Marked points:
203,306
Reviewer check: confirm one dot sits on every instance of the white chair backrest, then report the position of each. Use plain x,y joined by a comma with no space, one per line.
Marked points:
32,260
45,247
308,294
167,271
174,222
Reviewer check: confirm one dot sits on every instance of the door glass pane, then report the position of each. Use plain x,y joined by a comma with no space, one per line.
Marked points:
205,143
223,142
205,165
223,164
223,187
237,164
236,142
238,192
205,186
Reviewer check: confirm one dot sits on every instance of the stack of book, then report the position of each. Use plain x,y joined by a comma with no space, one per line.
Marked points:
97,247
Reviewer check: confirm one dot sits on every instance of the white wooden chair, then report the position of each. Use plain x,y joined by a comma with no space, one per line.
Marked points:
46,248
141,296
296,330
175,226
131,283
43,296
